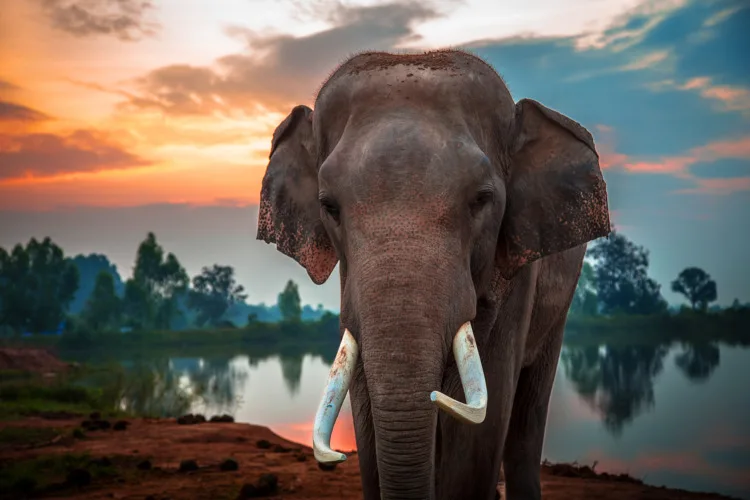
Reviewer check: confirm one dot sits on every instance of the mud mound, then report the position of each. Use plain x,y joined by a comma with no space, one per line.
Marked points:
30,360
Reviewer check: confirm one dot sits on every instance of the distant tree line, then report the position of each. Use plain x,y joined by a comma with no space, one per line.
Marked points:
41,290
614,281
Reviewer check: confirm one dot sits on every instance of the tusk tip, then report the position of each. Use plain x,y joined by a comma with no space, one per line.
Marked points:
328,456
470,414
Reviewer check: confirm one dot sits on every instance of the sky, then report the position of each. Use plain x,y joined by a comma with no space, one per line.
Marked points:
119,117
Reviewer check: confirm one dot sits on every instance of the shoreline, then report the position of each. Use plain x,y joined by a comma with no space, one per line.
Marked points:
158,458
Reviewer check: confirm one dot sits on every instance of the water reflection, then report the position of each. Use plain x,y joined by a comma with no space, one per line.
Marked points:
698,361
658,411
616,382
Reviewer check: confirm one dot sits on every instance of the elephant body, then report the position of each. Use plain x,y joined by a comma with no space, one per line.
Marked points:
444,203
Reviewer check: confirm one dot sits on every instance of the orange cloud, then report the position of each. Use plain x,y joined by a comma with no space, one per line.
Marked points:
730,98
45,154
679,165
13,112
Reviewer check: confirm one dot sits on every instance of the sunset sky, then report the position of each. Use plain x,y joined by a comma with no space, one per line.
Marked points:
119,117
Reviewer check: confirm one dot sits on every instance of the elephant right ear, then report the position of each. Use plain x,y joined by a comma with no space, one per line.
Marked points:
289,214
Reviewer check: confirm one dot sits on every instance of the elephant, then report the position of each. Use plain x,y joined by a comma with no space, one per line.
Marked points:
459,220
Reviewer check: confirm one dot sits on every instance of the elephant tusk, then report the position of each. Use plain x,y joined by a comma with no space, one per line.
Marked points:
472,379
337,386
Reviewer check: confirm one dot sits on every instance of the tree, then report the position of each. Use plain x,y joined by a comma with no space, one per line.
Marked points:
214,291
697,286
151,294
290,304
37,284
102,310
584,299
621,273
89,267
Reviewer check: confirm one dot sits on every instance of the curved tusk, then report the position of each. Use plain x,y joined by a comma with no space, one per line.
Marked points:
472,379
336,388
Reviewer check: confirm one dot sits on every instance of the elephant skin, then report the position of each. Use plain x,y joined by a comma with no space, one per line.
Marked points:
443,201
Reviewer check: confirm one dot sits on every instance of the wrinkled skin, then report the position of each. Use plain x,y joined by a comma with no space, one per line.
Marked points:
444,202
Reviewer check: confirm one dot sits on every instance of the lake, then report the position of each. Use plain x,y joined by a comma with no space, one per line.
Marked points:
675,415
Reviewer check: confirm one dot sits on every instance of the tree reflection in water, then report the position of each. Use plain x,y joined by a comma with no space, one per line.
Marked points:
698,361
617,382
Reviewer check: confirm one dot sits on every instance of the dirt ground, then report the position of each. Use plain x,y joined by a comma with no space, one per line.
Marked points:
30,360
144,458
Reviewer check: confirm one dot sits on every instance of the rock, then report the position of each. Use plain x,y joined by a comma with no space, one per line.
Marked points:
121,425
263,444
103,424
301,457
95,416
281,449
266,486
78,478
191,419
229,465
144,465
188,466
327,467
228,419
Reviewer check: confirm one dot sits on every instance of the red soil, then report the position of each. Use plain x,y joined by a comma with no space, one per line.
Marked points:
165,444
30,360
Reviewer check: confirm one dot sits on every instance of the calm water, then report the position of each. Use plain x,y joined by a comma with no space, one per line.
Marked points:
674,415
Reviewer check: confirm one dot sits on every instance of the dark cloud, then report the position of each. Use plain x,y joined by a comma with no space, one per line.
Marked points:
125,19
10,111
43,155
276,71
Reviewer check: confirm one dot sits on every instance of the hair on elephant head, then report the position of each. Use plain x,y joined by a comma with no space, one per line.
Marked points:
441,199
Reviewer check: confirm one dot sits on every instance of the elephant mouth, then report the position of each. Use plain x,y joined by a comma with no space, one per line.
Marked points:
339,377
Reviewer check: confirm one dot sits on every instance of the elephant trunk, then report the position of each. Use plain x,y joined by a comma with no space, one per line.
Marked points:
399,382
404,326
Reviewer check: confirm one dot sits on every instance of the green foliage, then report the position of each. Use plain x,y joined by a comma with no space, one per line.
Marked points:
622,281
103,309
151,294
585,301
214,291
697,286
89,267
290,304
37,283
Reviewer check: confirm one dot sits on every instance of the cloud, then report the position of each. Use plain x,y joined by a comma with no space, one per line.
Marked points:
10,111
277,71
123,19
719,186
6,85
684,166
45,154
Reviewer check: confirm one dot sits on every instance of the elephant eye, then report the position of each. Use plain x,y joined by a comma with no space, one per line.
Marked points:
484,197
330,208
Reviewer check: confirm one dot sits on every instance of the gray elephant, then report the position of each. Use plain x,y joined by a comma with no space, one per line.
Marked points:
449,208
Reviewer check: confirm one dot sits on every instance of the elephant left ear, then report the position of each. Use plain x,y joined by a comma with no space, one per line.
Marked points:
556,197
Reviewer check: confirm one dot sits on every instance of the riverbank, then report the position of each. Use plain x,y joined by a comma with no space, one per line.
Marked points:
53,456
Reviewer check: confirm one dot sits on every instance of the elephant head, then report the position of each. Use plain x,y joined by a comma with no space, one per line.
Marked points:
423,179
